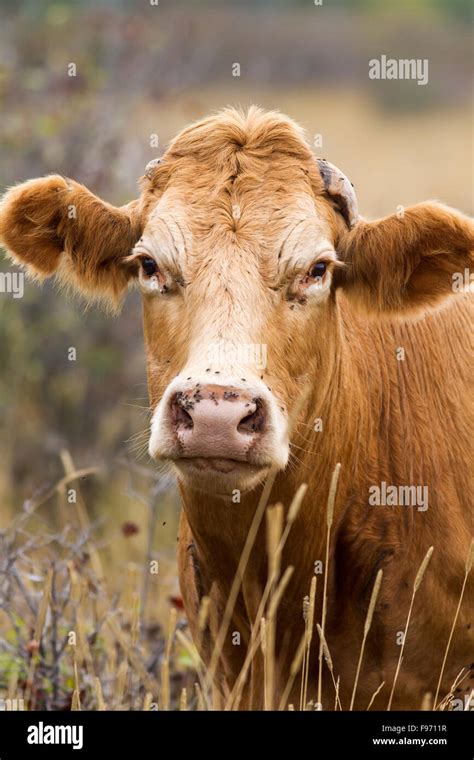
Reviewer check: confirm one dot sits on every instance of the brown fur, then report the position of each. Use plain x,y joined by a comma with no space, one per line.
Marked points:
40,220
402,422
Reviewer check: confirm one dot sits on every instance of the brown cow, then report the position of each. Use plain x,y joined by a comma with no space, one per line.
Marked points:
261,287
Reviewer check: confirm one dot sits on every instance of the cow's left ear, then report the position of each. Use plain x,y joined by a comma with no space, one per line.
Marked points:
408,261
54,226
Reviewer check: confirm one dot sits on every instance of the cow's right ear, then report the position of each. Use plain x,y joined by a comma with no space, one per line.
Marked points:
55,226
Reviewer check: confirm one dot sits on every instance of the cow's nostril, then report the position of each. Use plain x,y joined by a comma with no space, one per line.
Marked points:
179,410
254,421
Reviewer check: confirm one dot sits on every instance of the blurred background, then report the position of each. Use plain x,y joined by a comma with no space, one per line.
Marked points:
144,71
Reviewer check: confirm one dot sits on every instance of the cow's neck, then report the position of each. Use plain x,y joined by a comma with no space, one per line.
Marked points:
220,528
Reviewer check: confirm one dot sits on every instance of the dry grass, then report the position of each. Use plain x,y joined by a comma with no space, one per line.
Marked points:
418,579
329,519
368,623
71,639
63,569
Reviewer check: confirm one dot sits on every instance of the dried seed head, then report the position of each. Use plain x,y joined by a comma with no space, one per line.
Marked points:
332,495
373,602
263,635
305,608
470,557
421,571
296,502
326,653
297,659
203,612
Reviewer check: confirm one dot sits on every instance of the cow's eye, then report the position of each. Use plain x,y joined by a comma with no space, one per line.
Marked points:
317,270
149,266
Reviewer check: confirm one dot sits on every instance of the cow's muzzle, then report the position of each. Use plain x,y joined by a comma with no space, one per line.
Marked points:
224,431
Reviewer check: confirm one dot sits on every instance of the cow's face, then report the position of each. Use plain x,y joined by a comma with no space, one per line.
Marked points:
230,307
233,243
235,266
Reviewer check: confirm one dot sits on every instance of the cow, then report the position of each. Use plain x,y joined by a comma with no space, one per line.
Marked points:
290,341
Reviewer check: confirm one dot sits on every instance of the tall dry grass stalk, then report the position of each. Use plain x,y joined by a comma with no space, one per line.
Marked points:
79,599
236,694
308,614
43,608
72,474
274,526
200,703
303,665
193,649
416,585
272,614
193,652
329,520
203,618
237,582
328,659
77,689
427,702
82,641
375,694
457,683
12,689
130,586
467,570
75,702
216,698
293,511
165,665
263,646
38,632
336,696
148,681
121,683
294,670
99,695
34,504
135,622
368,623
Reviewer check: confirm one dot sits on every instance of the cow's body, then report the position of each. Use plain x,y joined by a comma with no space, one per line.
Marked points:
393,422
241,238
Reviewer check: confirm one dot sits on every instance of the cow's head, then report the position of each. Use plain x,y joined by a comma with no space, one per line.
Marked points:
238,242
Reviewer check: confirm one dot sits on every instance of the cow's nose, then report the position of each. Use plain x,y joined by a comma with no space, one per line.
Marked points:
217,421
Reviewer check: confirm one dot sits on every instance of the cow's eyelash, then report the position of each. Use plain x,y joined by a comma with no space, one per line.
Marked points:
329,262
138,254
300,270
